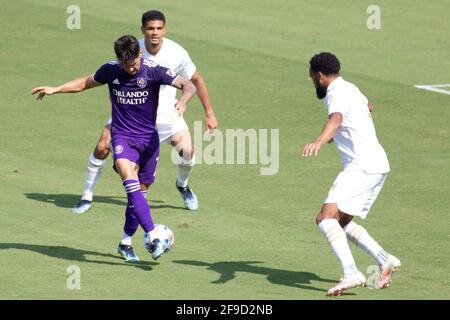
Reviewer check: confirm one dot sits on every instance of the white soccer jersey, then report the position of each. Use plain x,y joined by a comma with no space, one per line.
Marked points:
356,139
172,56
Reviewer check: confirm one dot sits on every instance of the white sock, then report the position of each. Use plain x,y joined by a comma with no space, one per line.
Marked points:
152,234
126,239
359,236
184,171
93,173
338,242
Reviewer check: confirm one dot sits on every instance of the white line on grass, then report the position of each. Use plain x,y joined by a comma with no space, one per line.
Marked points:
435,88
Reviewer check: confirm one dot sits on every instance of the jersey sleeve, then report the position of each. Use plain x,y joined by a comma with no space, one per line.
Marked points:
338,103
188,68
164,75
101,75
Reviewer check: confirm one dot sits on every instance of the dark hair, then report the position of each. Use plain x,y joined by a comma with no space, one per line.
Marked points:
127,48
325,62
153,15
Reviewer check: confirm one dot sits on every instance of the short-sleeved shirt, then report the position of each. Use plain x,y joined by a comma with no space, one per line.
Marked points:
356,139
171,55
134,98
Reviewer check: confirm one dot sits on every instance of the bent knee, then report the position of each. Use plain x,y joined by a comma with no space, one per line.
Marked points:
326,213
101,150
320,217
186,153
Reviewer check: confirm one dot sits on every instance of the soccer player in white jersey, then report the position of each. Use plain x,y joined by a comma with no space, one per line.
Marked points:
357,186
171,128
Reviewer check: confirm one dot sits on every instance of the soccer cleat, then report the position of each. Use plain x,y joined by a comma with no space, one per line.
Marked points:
387,270
347,282
189,197
155,247
127,252
82,206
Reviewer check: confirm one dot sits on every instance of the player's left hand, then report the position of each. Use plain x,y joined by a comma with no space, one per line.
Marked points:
180,108
210,122
43,91
311,148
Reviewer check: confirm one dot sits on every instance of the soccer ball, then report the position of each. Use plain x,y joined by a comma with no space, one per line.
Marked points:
165,235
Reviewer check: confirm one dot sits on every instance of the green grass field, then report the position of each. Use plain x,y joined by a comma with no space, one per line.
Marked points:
254,236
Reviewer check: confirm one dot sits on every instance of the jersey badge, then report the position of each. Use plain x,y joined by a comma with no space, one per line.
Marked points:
141,82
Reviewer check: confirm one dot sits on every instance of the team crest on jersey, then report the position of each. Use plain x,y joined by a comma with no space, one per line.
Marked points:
141,82
118,149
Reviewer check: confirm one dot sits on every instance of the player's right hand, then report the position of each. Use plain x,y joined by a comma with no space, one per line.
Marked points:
310,149
180,108
210,122
43,91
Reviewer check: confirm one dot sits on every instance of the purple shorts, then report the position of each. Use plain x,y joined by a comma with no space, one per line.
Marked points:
144,153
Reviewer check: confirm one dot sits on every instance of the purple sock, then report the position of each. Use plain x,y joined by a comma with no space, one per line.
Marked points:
131,222
138,203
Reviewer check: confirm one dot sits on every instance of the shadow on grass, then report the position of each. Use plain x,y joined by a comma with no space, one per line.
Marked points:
228,269
69,200
72,254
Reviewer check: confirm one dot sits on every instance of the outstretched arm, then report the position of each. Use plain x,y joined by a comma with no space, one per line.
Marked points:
188,89
332,125
73,86
202,92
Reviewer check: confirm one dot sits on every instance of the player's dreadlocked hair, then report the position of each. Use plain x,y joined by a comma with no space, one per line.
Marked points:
127,49
325,62
153,15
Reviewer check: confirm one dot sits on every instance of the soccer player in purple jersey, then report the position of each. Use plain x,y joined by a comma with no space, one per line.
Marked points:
172,130
134,89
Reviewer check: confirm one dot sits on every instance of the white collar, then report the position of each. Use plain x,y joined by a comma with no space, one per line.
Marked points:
334,83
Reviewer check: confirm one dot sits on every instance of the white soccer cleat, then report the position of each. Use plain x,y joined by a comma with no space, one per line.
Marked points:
82,206
189,197
387,269
347,282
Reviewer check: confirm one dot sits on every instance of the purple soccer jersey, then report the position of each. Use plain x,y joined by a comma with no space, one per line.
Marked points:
134,98
134,101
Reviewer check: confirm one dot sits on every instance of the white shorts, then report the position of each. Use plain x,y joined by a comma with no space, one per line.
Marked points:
167,125
355,191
